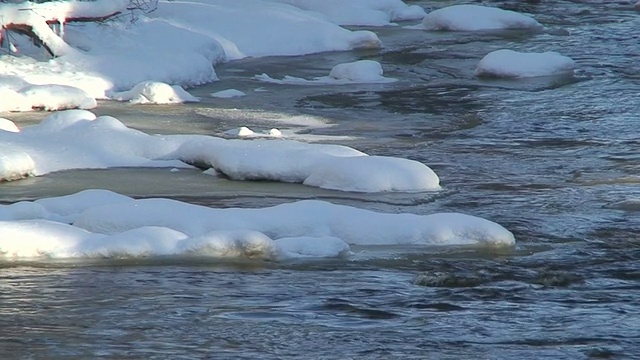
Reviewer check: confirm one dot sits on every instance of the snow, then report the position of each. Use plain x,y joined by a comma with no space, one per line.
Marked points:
284,29
18,95
512,64
229,93
477,18
152,92
357,72
8,125
14,163
245,132
57,97
190,37
77,139
361,12
97,223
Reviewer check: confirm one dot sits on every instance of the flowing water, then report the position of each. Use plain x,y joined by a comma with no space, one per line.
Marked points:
555,160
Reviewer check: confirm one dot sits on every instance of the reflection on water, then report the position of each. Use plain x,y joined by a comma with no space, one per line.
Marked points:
553,159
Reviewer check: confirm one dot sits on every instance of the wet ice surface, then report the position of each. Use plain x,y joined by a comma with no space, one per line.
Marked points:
549,158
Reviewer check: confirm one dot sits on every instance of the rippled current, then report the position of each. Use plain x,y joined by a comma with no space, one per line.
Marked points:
554,160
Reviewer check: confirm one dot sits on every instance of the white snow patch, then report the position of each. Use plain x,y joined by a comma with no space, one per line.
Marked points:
151,92
512,64
477,18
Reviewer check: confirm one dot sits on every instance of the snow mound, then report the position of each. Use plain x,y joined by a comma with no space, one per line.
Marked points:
373,174
511,64
57,97
229,93
477,18
105,224
358,72
8,125
152,92
326,166
14,163
13,101
22,96
245,132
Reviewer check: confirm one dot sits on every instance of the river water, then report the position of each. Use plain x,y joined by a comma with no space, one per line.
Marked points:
554,160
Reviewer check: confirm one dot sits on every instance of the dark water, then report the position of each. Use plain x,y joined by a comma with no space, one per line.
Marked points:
555,160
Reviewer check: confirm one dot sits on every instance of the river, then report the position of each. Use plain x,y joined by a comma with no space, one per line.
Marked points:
554,160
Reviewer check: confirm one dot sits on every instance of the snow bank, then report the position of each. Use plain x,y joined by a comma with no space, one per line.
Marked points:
189,36
112,225
476,18
361,12
77,139
151,92
511,64
284,29
363,71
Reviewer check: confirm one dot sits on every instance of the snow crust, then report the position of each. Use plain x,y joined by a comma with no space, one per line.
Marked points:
99,223
477,18
357,72
512,64
77,139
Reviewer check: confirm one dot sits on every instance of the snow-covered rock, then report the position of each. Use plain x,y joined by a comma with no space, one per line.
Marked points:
357,72
151,92
476,18
512,64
